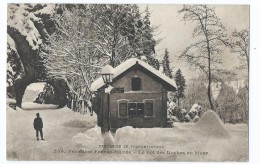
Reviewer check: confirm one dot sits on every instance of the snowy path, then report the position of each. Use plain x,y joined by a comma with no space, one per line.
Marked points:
33,106
59,126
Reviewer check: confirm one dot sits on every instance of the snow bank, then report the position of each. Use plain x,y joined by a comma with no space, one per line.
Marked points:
78,123
9,109
211,124
108,139
129,134
33,106
91,137
9,100
78,120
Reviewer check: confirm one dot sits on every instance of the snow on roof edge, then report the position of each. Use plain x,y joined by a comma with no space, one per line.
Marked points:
98,83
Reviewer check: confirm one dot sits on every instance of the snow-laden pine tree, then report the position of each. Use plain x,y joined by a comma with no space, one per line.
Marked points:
167,70
243,103
148,41
114,29
180,83
227,105
120,33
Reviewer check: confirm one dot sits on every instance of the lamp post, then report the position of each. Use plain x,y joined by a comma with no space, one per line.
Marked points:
107,76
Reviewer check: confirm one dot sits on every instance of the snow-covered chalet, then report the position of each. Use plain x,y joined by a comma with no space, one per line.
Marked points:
138,97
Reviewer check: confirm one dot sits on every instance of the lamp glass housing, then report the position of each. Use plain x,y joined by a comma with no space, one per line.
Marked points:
107,78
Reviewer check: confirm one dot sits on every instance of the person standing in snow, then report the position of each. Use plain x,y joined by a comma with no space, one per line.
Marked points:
38,125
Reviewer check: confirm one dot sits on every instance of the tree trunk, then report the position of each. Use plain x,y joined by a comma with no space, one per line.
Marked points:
209,75
209,91
178,100
20,86
113,57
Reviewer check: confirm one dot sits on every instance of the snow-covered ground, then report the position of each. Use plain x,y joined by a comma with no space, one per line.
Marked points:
72,136
33,106
59,126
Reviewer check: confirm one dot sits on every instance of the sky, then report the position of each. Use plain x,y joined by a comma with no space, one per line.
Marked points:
177,34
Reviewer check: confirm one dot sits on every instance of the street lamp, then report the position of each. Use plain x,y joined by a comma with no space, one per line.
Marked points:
107,75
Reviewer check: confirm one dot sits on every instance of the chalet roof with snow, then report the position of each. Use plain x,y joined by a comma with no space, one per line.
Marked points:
123,67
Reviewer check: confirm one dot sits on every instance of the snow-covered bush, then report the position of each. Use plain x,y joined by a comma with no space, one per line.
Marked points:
196,93
195,112
179,114
195,118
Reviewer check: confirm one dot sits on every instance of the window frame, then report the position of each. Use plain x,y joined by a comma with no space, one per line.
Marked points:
136,102
118,108
150,101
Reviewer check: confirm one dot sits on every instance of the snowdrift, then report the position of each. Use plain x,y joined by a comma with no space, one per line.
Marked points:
108,139
211,125
129,134
79,123
9,100
91,137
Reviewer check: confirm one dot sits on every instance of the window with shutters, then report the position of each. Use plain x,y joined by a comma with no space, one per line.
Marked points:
128,109
122,108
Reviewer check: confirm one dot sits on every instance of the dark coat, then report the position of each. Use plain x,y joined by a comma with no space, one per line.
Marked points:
38,123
